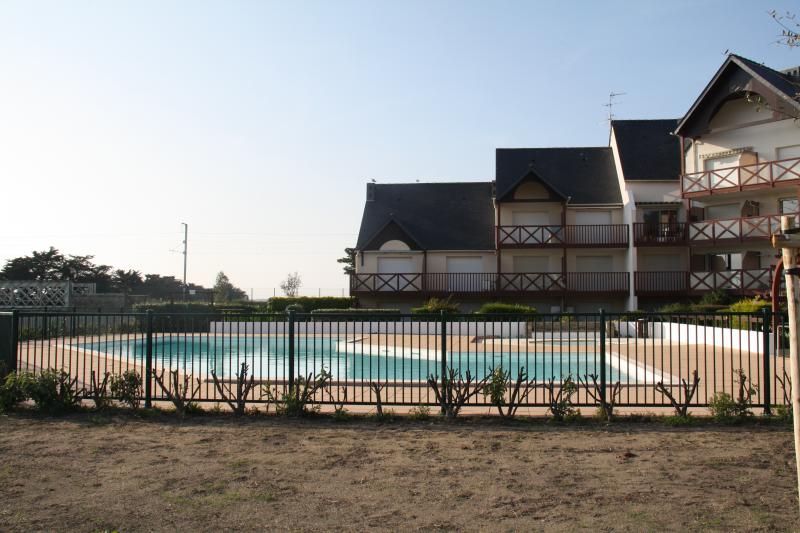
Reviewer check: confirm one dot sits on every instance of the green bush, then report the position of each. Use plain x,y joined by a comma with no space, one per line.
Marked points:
55,391
749,305
724,408
679,420
189,317
707,308
356,311
436,306
500,308
309,304
633,316
15,389
420,412
676,307
127,388
716,297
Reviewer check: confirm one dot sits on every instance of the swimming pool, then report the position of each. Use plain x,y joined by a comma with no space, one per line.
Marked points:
267,357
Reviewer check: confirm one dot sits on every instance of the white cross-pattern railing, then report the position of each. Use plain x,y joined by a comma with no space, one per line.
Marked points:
732,179
21,294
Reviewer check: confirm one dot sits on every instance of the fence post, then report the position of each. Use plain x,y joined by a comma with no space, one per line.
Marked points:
445,385
14,340
602,355
148,363
291,350
766,387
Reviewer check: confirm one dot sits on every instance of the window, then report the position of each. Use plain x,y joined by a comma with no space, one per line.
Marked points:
788,152
788,206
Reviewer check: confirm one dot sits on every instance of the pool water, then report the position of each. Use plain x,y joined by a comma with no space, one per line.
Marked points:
267,358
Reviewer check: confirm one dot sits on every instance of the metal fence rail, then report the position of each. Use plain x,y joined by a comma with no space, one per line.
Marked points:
398,353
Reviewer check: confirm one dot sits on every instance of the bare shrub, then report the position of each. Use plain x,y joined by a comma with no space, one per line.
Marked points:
560,404
597,392
377,389
181,393
500,383
455,390
681,409
98,390
236,398
296,401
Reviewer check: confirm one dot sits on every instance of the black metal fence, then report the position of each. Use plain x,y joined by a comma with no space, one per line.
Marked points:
615,353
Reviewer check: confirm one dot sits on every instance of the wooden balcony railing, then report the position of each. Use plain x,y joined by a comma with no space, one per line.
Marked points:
755,176
743,282
659,234
736,230
466,283
578,236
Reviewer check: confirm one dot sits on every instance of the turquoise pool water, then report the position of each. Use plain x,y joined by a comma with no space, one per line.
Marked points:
268,358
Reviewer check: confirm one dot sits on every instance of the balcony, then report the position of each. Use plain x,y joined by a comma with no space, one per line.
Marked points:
736,230
741,282
572,236
710,232
540,283
659,234
746,177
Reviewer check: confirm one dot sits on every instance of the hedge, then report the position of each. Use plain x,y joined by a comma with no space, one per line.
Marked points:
356,311
436,306
179,317
500,308
279,304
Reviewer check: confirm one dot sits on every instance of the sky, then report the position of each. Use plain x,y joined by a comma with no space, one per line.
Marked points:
259,123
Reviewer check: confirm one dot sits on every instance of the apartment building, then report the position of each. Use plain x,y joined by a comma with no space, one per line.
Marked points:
669,209
740,171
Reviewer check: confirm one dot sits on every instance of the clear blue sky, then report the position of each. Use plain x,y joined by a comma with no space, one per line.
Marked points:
259,123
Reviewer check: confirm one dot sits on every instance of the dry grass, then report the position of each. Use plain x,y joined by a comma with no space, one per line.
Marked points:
92,472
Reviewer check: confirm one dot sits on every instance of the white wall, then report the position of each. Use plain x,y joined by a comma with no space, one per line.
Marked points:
391,326
752,341
765,139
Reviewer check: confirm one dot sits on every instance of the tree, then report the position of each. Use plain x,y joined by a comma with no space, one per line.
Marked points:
349,261
225,291
39,266
52,265
789,35
291,285
127,281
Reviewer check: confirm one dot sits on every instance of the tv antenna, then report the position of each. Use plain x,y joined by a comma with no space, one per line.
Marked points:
611,103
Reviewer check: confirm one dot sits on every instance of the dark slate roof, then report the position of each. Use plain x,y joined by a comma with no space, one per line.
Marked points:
780,81
782,85
585,175
647,149
438,216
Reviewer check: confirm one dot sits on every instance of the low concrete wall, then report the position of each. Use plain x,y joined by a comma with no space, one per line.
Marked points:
494,329
738,339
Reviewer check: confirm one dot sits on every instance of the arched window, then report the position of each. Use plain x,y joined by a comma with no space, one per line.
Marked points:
394,246
531,190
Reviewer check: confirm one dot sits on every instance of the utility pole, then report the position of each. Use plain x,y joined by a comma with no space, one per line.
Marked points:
789,242
185,246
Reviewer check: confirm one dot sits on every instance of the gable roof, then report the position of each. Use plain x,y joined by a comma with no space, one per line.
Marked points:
739,74
584,175
647,149
437,216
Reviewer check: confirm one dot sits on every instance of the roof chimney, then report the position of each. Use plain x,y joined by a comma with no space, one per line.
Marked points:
370,192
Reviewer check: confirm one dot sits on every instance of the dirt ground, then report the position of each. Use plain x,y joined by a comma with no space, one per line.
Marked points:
89,472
